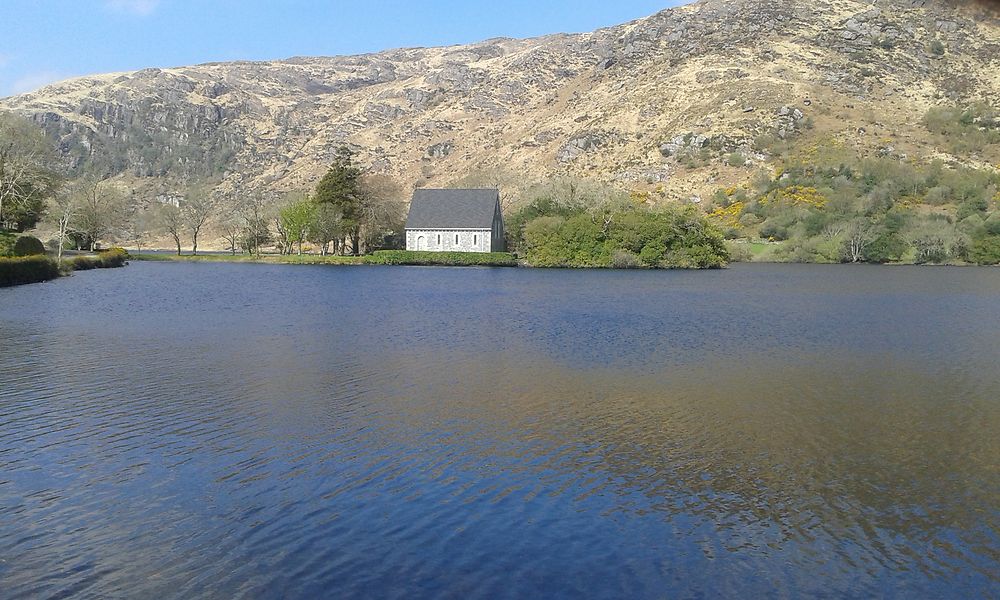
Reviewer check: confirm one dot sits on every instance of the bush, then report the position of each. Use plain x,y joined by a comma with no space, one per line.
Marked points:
986,250
7,243
623,259
29,269
455,259
774,231
739,252
82,263
113,258
109,259
27,245
662,238
992,224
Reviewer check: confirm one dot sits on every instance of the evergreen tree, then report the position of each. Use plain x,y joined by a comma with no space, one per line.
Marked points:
341,188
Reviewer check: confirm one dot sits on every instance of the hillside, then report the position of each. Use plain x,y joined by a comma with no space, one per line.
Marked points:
614,104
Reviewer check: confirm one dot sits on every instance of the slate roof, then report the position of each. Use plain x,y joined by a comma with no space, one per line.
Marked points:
452,209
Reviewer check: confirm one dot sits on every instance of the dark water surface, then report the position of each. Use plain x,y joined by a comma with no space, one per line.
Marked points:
199,430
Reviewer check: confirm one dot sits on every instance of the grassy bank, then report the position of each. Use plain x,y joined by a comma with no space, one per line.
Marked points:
39,268
386,257
452,259
27,269
307,259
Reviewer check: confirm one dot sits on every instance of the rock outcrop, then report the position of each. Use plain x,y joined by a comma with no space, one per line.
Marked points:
617,104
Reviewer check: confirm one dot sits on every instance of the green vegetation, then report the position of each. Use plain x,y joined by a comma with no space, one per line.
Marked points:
456,259
381,257
616,232
965,129
7,241
986,250
109,259
827,204
305,259
38,267
27,245
27,269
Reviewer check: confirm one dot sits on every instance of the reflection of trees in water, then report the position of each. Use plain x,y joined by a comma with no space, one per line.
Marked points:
885,462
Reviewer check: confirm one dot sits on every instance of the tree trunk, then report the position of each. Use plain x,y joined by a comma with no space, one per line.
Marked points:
194,245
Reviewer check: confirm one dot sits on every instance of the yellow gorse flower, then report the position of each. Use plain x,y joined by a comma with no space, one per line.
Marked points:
729,216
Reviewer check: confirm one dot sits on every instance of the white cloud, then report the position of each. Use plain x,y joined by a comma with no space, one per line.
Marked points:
33,81
140,8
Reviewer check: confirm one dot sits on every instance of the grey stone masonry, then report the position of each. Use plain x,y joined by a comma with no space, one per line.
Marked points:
455,221
449,240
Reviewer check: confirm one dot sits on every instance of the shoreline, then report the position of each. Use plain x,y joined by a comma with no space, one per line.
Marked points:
372,260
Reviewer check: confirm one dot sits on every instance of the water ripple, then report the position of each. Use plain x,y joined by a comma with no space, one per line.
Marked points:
499,434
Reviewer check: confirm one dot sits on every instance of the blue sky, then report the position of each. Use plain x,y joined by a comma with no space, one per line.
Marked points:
48,40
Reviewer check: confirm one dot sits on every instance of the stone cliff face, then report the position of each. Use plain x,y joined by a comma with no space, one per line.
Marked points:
622,104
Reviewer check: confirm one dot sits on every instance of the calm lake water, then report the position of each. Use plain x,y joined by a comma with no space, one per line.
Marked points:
200,430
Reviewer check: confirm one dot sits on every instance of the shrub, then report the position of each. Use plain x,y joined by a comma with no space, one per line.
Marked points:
972,206
888,246
653,253
7,244
666,238
739,252
109,259
774,231
937,48
930,248
27,245
113,258
29,269
623,259
992,224
986,250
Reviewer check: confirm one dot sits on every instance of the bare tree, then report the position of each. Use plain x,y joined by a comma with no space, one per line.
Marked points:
255,223
381,208
100,210
232,228
860,234
137,222
173,222
230,219
24,150
63,212
197,209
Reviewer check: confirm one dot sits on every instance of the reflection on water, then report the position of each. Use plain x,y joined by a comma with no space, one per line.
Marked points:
263,431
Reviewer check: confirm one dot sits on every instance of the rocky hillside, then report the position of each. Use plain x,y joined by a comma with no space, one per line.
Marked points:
633,104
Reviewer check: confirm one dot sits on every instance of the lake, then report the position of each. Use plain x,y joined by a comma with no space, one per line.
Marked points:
265,431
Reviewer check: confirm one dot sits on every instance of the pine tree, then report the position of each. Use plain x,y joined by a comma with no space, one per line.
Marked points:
341,188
